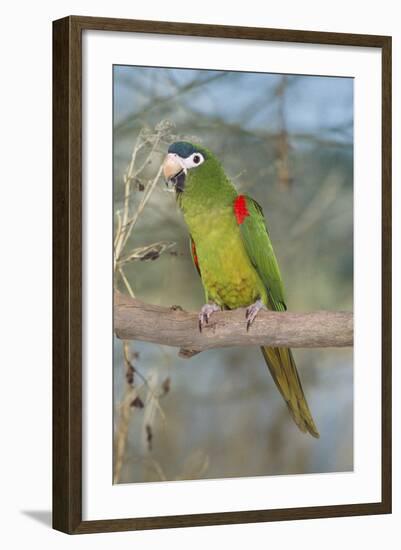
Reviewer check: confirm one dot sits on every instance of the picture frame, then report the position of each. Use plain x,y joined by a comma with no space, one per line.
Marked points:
68,294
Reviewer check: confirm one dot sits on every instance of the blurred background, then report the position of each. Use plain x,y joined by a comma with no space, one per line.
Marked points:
287,141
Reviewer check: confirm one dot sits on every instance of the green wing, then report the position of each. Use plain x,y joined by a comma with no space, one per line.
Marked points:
260,251
280,361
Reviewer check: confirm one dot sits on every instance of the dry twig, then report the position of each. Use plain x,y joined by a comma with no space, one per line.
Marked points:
126,221
125,411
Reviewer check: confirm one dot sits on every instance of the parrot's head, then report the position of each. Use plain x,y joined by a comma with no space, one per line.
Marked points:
184,161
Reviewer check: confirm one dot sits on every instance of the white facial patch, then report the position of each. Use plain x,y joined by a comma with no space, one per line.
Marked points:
192,161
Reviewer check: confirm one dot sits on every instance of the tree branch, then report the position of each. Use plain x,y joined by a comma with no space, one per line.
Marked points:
135,320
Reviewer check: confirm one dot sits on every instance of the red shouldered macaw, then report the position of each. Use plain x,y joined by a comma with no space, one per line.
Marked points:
233,254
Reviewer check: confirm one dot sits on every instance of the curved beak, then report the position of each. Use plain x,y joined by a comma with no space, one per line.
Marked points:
171,166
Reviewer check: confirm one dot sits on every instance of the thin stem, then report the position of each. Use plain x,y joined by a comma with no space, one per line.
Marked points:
124,416
126,282
142,204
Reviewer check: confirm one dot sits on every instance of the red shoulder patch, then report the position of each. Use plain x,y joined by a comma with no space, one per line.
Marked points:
240,209
194,255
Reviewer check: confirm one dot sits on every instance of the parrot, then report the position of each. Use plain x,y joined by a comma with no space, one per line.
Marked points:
233,254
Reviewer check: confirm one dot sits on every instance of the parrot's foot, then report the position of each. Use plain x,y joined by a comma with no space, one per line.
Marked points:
205,314
252,311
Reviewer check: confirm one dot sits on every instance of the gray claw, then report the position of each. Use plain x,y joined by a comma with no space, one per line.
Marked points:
205,313
252,311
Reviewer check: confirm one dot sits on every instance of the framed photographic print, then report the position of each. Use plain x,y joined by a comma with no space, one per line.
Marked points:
222,274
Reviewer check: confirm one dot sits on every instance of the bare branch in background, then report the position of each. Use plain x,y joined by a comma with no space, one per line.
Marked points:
126,221
136,320
214,121
125,411
162,101
283,145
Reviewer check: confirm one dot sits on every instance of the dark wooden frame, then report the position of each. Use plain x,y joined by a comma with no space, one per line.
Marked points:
67,279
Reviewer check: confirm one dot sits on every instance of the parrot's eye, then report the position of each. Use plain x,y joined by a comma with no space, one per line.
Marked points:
193,161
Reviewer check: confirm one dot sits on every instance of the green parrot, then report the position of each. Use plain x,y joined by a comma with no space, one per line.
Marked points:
233,254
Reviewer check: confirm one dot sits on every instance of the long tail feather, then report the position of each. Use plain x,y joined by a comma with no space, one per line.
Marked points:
282,367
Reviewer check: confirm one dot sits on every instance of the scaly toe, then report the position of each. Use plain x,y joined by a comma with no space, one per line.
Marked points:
252,311
205,313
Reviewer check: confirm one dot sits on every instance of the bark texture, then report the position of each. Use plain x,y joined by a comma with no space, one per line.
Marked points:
136,320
